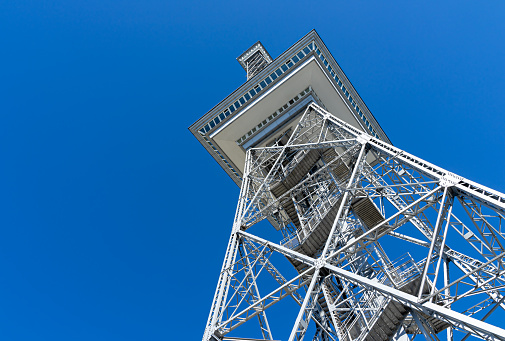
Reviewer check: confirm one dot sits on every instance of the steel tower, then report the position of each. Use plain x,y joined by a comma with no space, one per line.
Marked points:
369,242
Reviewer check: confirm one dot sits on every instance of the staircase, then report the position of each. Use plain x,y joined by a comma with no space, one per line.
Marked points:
390,319
311,237
308,160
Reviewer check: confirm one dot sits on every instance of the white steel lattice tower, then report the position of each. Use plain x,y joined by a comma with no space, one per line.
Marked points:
368,241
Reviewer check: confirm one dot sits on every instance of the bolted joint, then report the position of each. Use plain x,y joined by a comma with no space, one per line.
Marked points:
363,138
449,180
319,263
237,227
211,334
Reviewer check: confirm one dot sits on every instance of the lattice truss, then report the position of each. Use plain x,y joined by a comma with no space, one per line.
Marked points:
370,243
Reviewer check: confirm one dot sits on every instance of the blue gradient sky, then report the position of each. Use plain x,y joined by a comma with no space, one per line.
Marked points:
114,219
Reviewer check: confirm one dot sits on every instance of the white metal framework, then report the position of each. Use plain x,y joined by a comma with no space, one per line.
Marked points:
381,244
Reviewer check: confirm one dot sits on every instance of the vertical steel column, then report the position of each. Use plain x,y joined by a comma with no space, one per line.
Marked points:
447,293
344,200
230,255
442,246
432,245
265,330
295,333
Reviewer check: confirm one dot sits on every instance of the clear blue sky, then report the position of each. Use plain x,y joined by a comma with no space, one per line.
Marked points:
114,219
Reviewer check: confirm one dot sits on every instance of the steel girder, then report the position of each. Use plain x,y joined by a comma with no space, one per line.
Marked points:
343,201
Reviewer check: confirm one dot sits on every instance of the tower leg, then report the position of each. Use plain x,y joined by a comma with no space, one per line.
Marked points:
222,288
305,313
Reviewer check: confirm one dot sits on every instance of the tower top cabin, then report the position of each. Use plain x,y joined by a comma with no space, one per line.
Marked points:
267,107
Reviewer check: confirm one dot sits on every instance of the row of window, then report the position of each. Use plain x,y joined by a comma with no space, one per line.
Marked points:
346,93
282,69
274,115
257,88
263,84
